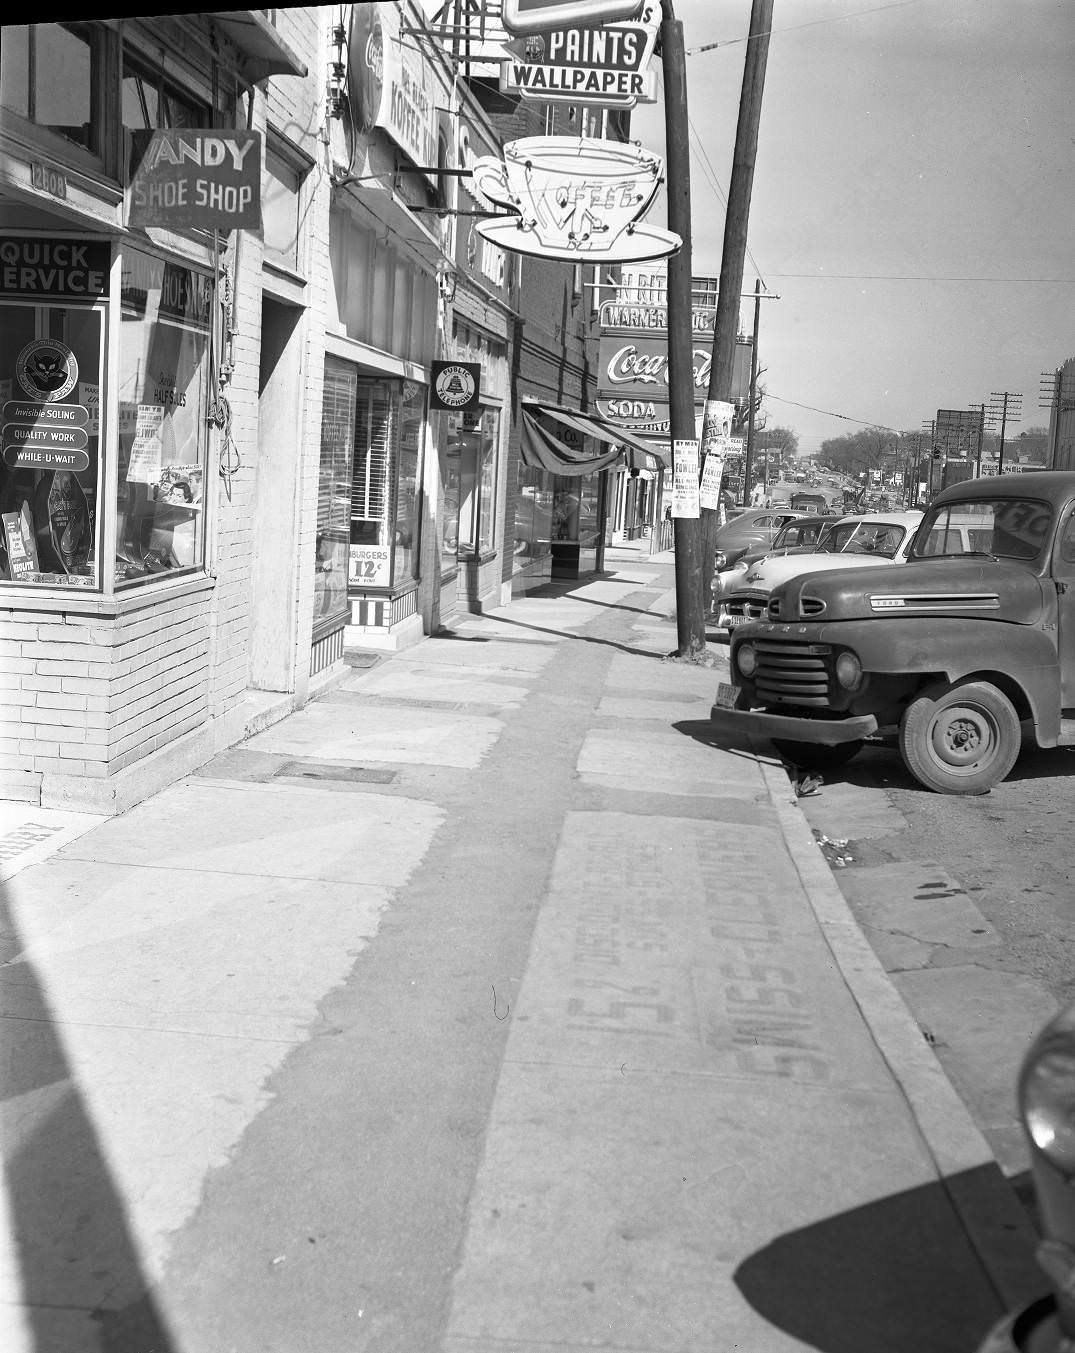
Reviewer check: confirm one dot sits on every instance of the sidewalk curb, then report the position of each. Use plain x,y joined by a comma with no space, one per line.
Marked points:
996,1224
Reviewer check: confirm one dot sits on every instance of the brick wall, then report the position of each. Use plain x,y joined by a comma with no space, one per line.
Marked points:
86,696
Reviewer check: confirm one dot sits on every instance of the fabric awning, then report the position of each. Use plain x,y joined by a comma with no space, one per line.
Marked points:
543,449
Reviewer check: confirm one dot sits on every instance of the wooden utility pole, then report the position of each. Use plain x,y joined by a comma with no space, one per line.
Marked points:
726,324
690,615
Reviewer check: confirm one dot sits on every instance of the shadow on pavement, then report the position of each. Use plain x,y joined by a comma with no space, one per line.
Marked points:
67,1220
701,730
893,1276
583,638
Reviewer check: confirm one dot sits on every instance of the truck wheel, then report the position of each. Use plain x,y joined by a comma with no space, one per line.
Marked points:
816,755
960,739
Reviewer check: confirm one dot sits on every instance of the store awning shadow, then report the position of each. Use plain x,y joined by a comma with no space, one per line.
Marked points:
68,1228
898,1274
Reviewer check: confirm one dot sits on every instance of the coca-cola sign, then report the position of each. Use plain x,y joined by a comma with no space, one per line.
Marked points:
639,367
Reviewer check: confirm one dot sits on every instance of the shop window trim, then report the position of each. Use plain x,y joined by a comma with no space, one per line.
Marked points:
206,564
295,162
42,593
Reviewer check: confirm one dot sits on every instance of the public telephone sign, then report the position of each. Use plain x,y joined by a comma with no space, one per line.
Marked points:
199,179
538,16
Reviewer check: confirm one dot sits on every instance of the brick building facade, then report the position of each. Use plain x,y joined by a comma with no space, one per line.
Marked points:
223,464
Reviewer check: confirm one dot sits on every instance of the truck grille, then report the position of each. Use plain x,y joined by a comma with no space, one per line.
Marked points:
797,674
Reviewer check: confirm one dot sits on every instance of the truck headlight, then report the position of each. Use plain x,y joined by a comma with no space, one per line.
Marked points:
848,671
720,559
746,659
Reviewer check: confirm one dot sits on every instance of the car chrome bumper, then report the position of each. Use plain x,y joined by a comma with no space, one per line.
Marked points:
746,723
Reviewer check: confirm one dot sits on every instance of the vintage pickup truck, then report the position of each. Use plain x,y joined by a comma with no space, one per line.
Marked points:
961,654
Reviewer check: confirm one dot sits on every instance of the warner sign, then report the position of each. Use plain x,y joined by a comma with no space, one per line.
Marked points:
538,16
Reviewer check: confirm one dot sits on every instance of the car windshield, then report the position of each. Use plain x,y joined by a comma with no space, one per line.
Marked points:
863,537
799,533
1014,528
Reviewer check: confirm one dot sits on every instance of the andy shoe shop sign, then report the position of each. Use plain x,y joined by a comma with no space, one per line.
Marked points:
199,179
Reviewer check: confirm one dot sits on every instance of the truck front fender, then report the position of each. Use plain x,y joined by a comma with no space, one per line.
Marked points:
1022,658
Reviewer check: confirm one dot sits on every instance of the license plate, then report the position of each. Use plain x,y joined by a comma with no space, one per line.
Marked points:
727,695
731,621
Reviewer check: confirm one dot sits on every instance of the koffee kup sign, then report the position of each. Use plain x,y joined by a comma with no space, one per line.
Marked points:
199,179
391,84
607,66
538,16
573,198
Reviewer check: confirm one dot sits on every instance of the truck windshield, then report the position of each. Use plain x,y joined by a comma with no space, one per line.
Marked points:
1015,528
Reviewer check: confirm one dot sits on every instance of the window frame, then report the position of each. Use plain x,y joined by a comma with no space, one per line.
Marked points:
103,160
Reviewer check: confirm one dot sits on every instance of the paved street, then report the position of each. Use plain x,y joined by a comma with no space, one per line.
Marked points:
967,902
483,1004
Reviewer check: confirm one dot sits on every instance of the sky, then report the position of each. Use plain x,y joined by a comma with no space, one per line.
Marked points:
913,205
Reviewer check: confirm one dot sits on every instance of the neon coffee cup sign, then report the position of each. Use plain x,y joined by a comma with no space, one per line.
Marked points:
574,198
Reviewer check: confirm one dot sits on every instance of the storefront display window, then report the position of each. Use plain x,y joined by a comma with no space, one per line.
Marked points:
533,513
469,475
385,486
50,385
408,481
334,494
450,490
575,507
163,432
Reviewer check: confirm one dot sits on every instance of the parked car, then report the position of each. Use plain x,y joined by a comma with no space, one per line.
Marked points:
1046,1099
870,538
961,655
758,526
798,536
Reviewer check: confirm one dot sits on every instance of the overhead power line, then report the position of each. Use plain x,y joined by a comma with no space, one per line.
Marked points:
913,277
865,422
812,23
710,175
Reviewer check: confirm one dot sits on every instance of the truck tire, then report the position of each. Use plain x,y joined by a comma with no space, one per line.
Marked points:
816,755
960,739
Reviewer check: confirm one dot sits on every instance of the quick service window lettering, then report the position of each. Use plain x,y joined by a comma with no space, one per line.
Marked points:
41,267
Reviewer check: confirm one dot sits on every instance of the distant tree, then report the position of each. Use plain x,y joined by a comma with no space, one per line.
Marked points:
1033,443
865,449
784,440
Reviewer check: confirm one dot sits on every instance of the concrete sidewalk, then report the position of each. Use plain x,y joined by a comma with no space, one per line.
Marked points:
482,1005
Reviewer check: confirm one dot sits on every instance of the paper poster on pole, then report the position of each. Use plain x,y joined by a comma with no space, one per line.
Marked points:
717,425
144,466
685,479
712,474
